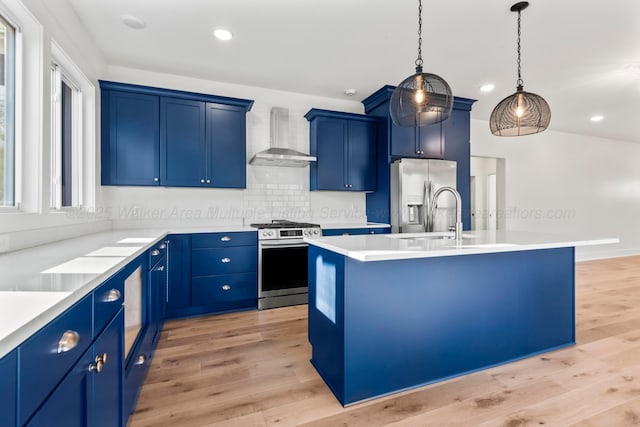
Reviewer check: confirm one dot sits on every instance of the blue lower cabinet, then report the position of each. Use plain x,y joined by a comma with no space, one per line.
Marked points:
91,393
238,259
9,388
226,289
108,385
179,275
135,373
49,354
354,231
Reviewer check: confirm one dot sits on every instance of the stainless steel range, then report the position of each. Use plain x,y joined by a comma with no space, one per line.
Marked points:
282,262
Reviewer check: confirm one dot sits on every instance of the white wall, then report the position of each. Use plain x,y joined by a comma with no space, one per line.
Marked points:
272,192
565,183
481,168
42,21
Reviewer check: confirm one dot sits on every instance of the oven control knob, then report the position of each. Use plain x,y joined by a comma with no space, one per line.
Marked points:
316,232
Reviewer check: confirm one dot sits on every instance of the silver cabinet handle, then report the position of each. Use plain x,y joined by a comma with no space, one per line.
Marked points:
225,239
156,179
346,185
226,287
208,181
163,246
155,252
113,295
202,181
226,260
68,341
140,360
161,268
99,365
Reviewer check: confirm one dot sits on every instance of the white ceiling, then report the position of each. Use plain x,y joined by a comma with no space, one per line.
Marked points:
574,53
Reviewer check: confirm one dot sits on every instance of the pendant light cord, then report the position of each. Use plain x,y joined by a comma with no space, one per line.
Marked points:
419,59
520,83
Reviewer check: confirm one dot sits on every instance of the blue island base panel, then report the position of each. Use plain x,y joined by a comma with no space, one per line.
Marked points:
382,327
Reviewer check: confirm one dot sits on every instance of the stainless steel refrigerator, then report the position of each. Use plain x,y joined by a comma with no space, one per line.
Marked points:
413,183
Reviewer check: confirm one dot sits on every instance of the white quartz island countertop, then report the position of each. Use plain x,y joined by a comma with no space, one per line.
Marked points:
383,247
40,283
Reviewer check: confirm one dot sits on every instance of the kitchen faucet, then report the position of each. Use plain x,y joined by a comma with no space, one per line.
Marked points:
453,191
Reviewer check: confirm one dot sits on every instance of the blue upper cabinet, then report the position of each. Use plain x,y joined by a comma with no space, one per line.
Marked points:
130,139
182,142
226,147
425,142
345,147
447,140
153,136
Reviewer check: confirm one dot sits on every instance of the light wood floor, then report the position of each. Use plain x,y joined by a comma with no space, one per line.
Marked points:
252,369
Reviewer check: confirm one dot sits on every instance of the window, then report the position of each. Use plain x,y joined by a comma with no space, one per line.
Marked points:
66,147
7,113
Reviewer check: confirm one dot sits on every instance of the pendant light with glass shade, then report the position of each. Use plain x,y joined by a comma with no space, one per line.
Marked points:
421,99
523,113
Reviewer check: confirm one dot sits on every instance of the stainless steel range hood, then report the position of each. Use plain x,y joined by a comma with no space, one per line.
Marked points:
278,154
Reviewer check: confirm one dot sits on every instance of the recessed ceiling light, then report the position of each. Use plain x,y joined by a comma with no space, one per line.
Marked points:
133,22
596,118
487,88
222,34
350,92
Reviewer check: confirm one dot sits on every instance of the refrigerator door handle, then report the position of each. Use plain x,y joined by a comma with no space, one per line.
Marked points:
426,206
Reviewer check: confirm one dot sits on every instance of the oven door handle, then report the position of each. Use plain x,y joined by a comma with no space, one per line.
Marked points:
283,245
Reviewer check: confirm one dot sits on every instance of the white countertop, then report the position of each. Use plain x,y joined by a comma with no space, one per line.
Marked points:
382,247
40,283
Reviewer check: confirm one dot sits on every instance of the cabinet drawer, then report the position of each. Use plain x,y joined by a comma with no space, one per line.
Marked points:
45,358
224,288
215,240
156,253
209,262
107,300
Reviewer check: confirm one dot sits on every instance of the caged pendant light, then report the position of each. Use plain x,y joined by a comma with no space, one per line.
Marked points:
523,113
421,99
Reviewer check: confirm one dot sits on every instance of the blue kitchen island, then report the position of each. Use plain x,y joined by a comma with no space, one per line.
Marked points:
393,312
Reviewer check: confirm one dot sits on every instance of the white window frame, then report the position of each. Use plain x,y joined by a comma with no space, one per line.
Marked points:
83,133
17,107
59,75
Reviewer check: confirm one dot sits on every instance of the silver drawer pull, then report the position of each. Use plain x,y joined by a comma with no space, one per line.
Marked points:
113,295
155,252
68,341
163,246
161,268
225,239
226,287
141,360
97,367
226,260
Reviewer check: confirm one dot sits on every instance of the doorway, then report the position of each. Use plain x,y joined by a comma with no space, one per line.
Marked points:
487,193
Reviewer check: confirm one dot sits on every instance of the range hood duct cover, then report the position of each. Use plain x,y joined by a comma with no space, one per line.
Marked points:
278,154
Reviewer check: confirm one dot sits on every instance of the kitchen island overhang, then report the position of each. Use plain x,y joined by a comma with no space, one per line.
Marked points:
405,321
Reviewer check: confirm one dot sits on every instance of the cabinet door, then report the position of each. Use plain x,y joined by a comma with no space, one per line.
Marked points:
179,271
226,146
430,141
331,152
70,402
134,148
9,387
108,385
182,142
361,156
403,141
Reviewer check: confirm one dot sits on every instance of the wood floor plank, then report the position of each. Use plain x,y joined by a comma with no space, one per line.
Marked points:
252,369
